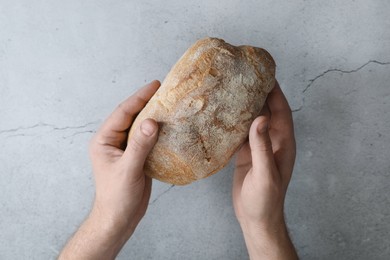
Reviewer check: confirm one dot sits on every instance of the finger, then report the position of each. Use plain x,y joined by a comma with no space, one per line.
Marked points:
114,130
276,99
145,197
265,111
280,110
238,179
243,158
139,146
284,160
261,147
240,172
282,133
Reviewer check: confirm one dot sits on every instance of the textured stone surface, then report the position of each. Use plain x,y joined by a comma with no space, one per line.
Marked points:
64,65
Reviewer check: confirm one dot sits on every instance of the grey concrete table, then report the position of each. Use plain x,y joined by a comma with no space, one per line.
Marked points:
64,65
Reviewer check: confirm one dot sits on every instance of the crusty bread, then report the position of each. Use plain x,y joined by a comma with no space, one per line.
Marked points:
204,109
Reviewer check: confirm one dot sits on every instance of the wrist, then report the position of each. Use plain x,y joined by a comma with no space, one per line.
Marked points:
268,240
97,238
115,226
257,230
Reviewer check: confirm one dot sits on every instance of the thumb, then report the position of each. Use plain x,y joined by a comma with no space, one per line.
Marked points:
140,145
261,146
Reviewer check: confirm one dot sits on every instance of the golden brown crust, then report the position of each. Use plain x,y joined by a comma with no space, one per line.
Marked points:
205,107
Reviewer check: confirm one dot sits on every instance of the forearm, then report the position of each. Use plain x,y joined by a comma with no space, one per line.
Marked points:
95,239
271,243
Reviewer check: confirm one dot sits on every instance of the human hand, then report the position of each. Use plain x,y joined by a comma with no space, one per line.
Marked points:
122,189
263,170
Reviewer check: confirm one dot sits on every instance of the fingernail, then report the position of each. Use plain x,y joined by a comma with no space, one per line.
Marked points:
147,128
262,127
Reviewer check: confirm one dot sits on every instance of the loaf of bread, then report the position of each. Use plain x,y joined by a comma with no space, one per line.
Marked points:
204,109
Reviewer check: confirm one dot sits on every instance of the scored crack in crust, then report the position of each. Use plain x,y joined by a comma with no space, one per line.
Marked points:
204,109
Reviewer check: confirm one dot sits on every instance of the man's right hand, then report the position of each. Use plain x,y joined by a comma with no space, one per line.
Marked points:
263,170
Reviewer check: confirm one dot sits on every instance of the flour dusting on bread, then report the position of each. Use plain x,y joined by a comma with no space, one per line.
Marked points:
205,107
